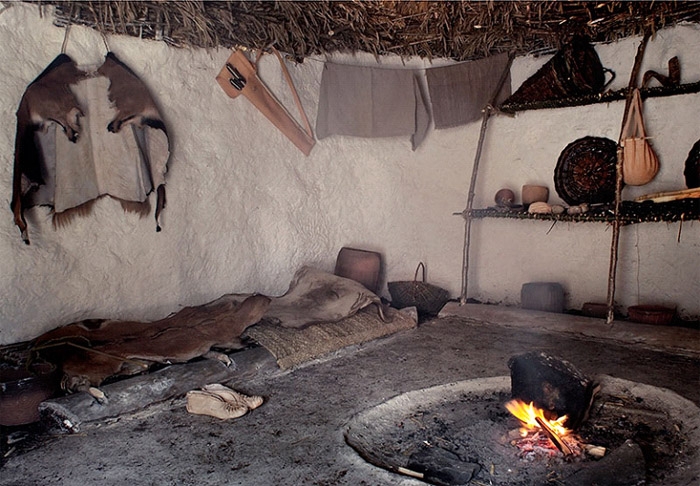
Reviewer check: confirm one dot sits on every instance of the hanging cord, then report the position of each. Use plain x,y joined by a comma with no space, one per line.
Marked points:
104,39
300,107
65,39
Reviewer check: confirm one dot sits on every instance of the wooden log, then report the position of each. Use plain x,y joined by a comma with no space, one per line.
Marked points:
556,440
135,393
553,385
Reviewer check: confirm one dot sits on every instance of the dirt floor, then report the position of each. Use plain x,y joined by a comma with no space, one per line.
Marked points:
296,436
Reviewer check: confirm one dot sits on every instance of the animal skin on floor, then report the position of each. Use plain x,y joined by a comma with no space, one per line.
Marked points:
88,355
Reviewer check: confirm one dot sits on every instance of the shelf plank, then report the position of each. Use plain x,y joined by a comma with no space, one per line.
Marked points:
606,97
631,213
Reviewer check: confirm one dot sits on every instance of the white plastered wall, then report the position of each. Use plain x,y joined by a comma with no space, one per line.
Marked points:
246,208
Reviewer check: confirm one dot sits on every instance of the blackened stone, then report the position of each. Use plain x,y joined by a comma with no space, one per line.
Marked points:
442,467
552,384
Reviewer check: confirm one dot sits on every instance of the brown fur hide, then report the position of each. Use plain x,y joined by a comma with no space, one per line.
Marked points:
92,157
88,355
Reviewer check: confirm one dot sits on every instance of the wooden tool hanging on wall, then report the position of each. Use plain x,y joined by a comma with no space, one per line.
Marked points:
239,76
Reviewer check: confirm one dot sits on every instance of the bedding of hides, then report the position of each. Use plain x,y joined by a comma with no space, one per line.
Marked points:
459,93
83,135
318,296
88,355
371,102
292,347
89,352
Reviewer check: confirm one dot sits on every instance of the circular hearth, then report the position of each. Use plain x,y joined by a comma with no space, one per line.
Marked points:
459,432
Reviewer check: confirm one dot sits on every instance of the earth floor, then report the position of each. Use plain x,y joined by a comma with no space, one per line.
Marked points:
297,436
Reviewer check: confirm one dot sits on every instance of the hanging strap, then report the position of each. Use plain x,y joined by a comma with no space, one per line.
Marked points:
293,88
239,76
634,126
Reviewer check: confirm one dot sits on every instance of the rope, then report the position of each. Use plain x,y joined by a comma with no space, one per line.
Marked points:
104,39
65,39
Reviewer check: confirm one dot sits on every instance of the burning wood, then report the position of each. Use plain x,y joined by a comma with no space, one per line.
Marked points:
533,419
556,440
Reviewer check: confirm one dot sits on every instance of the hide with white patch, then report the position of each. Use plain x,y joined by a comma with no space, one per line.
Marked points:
86,134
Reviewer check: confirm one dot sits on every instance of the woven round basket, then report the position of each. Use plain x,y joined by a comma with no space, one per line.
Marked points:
692,167
586,171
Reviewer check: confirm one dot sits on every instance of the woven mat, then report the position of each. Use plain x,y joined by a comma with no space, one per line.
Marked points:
292,347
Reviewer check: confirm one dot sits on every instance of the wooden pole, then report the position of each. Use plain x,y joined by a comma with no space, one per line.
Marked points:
467,213
618,181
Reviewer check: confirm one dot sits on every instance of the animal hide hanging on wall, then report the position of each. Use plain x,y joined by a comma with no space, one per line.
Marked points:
83,135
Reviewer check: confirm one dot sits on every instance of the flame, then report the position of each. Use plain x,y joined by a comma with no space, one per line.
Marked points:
528,415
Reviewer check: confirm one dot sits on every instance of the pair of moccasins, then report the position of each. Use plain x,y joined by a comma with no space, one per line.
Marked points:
221,402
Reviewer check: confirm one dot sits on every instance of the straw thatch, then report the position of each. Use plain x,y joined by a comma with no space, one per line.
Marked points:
458,30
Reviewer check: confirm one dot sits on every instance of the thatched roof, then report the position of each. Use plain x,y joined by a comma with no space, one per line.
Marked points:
458,30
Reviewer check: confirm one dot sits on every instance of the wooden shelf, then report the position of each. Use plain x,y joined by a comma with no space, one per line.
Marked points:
606,97
630,213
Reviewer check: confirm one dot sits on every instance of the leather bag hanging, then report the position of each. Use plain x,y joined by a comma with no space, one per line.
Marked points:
639,162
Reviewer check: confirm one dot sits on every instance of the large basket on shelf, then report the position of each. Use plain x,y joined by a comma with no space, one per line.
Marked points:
586,171
426,298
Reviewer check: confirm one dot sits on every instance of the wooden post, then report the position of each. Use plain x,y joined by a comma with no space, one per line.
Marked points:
618,181
467,213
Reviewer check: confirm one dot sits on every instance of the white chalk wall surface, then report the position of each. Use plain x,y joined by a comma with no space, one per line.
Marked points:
246,208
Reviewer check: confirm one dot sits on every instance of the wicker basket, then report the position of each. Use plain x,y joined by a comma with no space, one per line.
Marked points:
427,298
586,171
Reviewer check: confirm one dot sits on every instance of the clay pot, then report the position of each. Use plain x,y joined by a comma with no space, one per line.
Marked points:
533,193
22,390
505,198
651,314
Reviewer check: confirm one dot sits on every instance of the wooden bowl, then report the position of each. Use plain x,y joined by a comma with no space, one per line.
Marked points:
651,314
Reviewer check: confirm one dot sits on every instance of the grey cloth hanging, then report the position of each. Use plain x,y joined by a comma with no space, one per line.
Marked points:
458,93
371,102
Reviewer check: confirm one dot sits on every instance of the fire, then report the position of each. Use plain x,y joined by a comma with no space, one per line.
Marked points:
528,415
533,419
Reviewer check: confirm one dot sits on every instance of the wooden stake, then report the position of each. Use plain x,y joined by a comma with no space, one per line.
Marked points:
467,213
618,181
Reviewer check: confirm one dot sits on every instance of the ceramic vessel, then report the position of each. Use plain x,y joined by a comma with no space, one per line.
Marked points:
651,314
533,193
505,198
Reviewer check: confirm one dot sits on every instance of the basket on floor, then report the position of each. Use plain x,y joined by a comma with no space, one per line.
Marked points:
427,298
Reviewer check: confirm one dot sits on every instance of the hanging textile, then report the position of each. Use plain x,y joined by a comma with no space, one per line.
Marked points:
82,135
459,93
371,102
